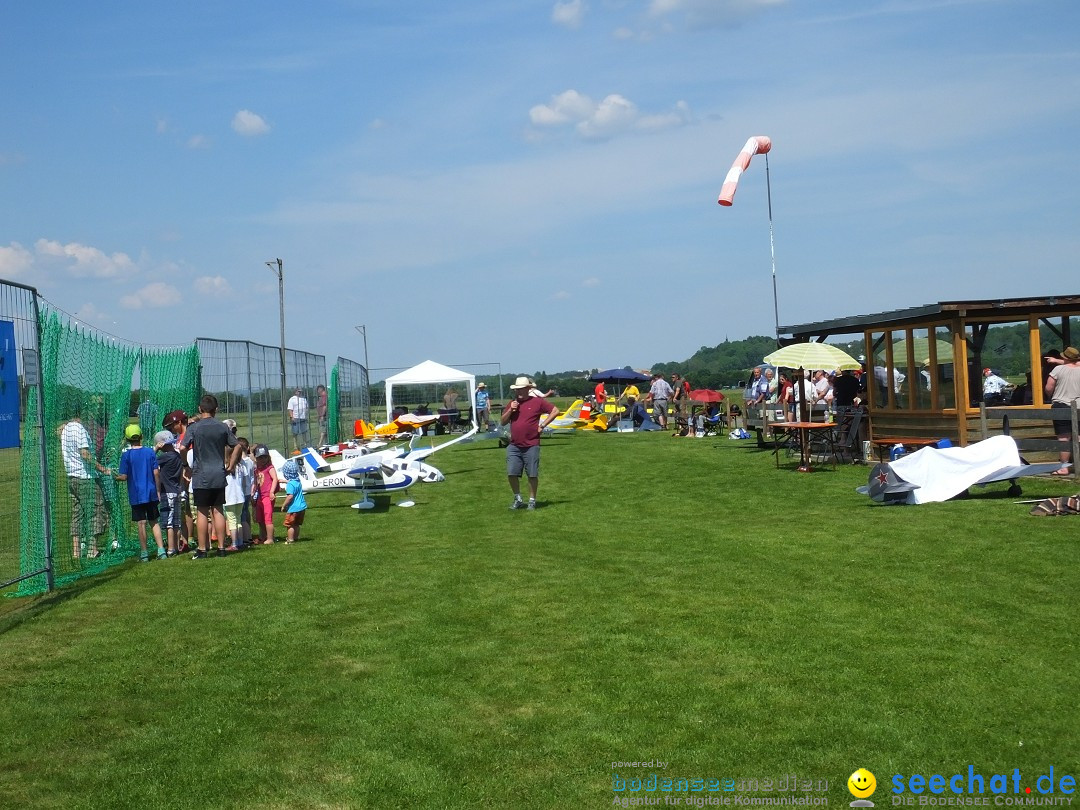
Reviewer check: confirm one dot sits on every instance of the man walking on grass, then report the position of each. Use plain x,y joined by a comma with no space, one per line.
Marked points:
526,417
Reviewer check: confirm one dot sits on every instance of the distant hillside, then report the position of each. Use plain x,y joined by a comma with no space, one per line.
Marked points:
724,365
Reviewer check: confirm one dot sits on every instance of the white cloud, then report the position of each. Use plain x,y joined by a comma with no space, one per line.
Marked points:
592,281
711,13
568,14
561,295
157,295
85,261
212,285
377,124
623,33
15,261
249,124
614,115
567,107
161,126
198,142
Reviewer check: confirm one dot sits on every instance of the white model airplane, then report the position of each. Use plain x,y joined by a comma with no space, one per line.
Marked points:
384,471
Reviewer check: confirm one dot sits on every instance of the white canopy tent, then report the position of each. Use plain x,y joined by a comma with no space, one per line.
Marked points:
431,373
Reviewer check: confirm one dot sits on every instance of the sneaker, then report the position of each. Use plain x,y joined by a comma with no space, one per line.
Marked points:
198,555
517,504
162,554
532,503
171,554
144,556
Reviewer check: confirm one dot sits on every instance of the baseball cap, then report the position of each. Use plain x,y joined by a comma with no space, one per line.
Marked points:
163,437
261,451
172,417
132,431
230,423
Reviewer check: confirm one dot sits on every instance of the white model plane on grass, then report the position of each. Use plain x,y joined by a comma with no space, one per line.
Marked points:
383,471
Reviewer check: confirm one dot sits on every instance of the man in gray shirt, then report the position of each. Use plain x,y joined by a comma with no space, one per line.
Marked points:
210,438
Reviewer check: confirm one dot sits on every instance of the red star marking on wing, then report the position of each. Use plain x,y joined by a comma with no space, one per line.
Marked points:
883,478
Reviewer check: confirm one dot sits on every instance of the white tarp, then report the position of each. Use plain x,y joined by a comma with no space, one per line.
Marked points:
943,473
431,373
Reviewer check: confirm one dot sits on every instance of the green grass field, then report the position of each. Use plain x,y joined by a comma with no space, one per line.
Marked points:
673,600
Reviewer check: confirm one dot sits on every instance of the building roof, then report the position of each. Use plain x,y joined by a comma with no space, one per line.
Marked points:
996,309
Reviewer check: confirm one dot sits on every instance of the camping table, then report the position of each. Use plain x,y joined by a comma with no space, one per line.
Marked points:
804,466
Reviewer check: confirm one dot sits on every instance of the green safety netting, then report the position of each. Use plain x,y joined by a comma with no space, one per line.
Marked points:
88,380
333,408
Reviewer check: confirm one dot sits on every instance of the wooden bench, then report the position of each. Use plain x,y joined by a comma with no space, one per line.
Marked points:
883,445
1033,420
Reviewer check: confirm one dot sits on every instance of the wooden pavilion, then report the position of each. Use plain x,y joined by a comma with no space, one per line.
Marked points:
924,364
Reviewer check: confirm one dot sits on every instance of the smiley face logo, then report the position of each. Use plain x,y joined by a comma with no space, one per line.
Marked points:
861,783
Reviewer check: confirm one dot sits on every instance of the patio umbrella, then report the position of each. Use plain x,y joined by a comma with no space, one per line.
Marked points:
619,376
922,351
810,355
706,395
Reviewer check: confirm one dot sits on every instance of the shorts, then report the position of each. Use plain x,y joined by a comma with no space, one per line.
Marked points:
171,510
144,511
299,427
264,511
294,518
208,498
1063,427
232,516
523,458
87,507
660,407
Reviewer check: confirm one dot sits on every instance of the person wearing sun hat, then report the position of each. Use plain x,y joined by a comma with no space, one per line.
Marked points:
483,407
527,416
1063,389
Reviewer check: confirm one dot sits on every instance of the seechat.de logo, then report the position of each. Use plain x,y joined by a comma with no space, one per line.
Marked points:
862,785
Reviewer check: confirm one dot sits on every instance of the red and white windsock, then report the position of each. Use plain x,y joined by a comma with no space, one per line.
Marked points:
757,145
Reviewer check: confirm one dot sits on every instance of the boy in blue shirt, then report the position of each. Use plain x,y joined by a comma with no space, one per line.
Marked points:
295,505
139,467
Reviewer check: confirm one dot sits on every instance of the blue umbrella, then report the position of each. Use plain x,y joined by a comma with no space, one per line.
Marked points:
618,375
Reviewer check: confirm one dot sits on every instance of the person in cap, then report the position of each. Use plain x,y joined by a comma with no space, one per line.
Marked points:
1063,389
527,416
172,489
175,422
295,505
216,454
298,418
483,407
993,388
139,468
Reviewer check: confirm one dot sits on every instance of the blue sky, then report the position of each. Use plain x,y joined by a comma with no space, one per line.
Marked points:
533,183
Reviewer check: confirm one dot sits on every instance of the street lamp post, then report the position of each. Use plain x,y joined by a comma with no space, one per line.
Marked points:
277,267
367,373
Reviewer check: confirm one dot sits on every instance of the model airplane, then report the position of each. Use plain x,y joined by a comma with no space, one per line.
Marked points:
930,475
384,471
580,416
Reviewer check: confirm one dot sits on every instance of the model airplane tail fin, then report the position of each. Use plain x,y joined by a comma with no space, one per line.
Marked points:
313,460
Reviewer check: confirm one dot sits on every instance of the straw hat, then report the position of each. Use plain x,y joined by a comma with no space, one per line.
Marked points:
521,382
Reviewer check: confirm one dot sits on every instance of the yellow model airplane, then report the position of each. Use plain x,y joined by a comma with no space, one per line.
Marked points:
580,416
